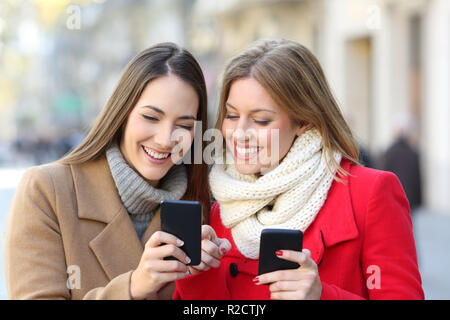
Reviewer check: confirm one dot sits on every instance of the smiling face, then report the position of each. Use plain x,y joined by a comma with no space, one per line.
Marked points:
166,108
251,119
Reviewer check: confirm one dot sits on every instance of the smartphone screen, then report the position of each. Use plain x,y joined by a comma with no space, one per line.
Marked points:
183,219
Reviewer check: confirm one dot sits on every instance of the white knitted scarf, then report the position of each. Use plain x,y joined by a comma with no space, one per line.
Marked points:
289,196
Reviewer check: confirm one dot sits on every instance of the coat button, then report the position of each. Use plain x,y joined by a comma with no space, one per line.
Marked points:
233,269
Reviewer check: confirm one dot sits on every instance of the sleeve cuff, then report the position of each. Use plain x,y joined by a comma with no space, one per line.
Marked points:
117,289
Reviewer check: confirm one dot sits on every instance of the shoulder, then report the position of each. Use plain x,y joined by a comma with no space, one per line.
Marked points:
41,175
41,182
65,174
372,188
363,181
367,188
47,175
367,179
60,179
56,171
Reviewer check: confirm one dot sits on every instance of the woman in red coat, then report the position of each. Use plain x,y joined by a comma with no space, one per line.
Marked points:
295,166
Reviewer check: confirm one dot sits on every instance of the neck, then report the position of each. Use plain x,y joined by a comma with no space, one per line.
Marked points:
139,195
153,183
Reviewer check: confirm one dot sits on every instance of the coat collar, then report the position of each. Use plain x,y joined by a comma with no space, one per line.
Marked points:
337,219
97,197
335,223
117,246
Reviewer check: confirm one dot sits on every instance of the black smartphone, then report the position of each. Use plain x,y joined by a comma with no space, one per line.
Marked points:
273,240
183,219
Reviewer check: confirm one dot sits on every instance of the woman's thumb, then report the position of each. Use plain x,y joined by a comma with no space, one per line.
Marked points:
224,246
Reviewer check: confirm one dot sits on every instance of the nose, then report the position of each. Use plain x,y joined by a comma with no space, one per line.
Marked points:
243,132
163,137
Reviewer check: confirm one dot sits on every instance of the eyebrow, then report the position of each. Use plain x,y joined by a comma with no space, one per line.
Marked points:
158,110
251,111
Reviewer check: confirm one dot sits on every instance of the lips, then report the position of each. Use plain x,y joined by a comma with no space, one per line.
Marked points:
246,152
155,156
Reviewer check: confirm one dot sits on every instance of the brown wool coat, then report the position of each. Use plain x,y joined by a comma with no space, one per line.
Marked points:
70,237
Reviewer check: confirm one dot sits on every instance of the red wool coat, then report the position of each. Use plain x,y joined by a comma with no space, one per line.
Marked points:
361,240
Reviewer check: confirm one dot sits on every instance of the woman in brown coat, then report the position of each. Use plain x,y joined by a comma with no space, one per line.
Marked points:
86,226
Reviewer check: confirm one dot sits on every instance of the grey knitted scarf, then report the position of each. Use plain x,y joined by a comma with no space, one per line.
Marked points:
139,198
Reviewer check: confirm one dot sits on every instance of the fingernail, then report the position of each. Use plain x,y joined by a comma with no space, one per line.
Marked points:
179,242
188,260
256,279
279,253
223,250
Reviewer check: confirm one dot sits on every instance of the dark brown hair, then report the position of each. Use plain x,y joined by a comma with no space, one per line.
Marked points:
157,61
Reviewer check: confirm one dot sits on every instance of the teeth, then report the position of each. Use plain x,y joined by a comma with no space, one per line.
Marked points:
246,151
156,155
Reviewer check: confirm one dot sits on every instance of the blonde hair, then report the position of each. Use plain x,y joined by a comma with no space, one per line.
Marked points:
293,77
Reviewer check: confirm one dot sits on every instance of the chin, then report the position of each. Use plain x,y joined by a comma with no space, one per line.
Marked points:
248,168
153,174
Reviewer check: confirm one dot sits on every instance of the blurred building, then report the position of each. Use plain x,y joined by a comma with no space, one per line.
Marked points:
60,60
382,58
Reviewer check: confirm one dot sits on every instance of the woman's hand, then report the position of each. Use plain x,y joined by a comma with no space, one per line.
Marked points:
153,272
302,283
213,249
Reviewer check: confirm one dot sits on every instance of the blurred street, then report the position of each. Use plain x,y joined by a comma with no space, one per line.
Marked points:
432,239
430,229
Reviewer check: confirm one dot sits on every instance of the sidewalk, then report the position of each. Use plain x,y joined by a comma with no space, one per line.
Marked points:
432,235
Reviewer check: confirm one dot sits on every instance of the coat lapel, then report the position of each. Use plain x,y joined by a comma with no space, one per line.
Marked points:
335,223
117,247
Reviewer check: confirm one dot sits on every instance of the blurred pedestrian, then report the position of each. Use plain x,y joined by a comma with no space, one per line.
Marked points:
402,158
364,157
